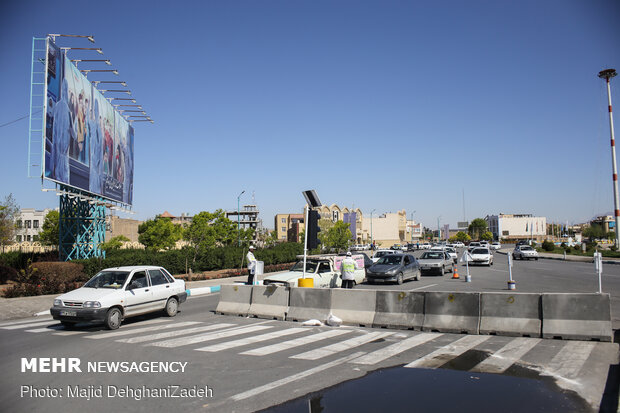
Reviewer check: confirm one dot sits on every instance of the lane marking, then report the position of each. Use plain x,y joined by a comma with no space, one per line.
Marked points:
445,354
287,345
295,377
339,347
30,320
46,329
28,325
491,269
184,341
69,333
505,357
396,348
140,330
421,288
251,340
152,337
569,361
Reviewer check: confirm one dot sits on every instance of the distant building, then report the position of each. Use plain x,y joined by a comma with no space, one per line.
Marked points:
387,229
116,226
247,217
517,226
289,227
607,222
29,224
184,220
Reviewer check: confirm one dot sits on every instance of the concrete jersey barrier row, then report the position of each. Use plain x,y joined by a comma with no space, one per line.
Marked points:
564,316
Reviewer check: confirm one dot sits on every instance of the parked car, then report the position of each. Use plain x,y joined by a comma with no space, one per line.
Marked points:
114,294
496,245
524,252
435,261
394,268
481,255
323,269
459,244
380,253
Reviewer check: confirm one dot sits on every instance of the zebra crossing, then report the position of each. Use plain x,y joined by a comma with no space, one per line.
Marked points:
263,338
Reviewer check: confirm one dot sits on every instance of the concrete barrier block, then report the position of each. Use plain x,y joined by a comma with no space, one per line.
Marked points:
399,309
510,314
452,312
309,303
269,301
354,307
577,316
235,299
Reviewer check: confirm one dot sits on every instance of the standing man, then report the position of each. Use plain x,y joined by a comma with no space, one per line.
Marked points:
348,268
251,265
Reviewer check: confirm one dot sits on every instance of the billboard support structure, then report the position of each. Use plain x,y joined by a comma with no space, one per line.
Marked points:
81,226
36,122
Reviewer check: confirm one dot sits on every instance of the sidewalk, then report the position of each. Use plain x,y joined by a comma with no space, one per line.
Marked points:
21,307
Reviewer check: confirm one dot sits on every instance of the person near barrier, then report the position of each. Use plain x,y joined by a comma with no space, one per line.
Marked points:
347,269
251,265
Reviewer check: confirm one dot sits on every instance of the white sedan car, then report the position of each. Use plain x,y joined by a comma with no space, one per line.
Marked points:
459,244
496,245
117,293
524,252
481,255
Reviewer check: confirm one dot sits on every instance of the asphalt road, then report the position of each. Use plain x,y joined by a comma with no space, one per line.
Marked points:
248,364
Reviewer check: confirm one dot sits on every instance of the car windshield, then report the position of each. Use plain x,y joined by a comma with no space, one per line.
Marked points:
480,251
432,255
382,253
299,266
526,248
108,279
389,260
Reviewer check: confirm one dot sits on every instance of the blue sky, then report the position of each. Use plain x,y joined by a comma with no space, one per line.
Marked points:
382,105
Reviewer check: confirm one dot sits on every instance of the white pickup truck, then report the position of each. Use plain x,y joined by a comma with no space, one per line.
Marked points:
323,269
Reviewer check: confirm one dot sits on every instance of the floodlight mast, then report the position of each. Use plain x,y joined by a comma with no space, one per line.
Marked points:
608,74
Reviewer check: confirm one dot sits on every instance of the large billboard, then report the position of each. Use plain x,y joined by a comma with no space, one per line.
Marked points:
88,145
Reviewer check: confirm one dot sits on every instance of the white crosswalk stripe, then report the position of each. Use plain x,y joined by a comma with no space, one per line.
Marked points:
396,348
167,334
286,345
26,321
251,340
346,345
185,341
31,324
126,332
569,361
501,360
46,329
447,353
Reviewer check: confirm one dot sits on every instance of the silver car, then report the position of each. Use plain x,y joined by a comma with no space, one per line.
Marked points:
435,261
524,252
394,268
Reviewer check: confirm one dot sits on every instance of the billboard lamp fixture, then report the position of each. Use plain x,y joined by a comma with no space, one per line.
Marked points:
116,90
87,71
132,99
106,61
96,82
132,106
90,38
97,49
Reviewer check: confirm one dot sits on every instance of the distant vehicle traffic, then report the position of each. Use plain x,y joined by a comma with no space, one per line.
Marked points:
323,269
436,262
394,268
482,256
380,253
472,245
459,244
522,252
496,245
117,293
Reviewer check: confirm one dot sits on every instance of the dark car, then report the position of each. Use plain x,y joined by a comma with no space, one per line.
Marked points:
394,268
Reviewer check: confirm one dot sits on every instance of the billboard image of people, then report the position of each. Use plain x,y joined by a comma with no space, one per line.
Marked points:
88,144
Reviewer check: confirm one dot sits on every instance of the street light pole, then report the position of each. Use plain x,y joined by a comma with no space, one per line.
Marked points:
412,225
239,219
608,74
372,241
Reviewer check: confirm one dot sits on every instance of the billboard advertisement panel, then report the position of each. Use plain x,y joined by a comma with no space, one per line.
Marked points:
88,145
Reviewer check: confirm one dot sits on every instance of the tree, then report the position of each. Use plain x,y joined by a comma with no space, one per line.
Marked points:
159,233
594,231
477,227
338,236
115,243
210,229
50,231
487,236
9,212
463,237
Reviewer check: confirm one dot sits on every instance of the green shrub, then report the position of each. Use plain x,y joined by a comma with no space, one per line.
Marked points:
548,245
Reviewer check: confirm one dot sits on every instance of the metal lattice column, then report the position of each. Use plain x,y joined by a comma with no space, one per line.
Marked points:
38,107
81,227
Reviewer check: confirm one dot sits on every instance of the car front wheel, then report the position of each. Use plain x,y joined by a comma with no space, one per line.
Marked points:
113,319
172,307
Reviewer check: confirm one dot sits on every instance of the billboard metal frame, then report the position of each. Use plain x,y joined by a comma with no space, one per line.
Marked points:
38,105
81,226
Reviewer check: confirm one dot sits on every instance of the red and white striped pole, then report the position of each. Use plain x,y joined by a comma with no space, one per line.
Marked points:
608,74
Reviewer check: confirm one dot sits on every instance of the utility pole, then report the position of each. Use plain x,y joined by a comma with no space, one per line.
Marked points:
608,74
239,219
372,241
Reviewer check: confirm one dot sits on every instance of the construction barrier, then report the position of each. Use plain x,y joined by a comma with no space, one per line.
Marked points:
309,303
510,314
269,301
354,307
399,309
235,299
577,316
452,312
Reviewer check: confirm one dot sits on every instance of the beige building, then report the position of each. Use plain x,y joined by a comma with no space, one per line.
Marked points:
387,229
116,226
517,226
607,222
29,224
288,227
